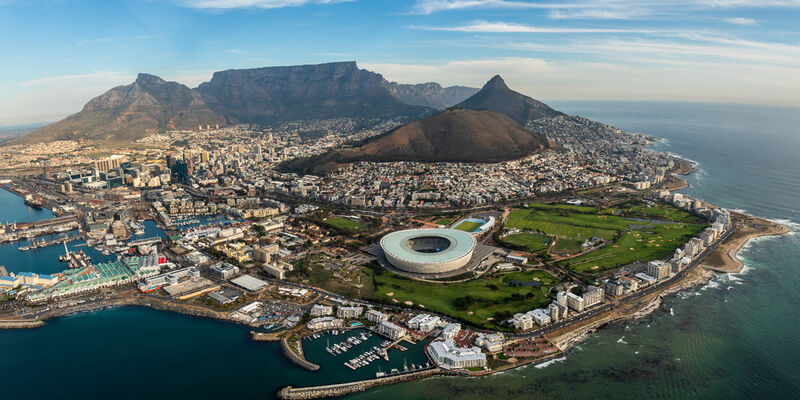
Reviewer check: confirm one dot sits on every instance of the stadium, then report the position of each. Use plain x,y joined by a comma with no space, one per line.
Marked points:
428,251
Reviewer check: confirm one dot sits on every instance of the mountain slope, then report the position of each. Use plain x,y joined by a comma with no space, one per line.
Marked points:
454,135
303,92
126,113
496,96
430,94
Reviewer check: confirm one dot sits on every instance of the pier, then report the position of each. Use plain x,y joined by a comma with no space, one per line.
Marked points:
341,389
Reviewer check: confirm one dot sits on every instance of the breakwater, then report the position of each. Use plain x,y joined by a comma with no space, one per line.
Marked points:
297,359
21,324
341,389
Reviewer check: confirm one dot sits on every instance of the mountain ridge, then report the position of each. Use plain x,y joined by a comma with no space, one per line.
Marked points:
258,95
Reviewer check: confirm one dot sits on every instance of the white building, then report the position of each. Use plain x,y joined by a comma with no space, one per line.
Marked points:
450,331
446,355
391,330
423,323
349,312
658,269
493,342
318,310
594,295
376,316
320,323
575,302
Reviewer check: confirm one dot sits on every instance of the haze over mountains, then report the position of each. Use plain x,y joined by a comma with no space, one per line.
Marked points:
480,129
259,95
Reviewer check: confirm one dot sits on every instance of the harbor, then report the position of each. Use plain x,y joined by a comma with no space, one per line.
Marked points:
363,355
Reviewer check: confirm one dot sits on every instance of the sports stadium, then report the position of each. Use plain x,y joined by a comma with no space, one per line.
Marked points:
428,251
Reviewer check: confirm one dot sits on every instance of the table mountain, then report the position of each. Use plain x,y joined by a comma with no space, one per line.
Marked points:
127,113
496,96
453,135
304,92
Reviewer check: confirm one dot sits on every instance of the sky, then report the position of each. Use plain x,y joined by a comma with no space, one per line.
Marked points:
58,54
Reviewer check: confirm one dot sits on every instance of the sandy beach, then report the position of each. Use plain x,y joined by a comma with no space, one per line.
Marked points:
725,259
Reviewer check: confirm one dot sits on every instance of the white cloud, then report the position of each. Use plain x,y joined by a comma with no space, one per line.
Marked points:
741,21
512,27
599,7
607,13
266,4
548,80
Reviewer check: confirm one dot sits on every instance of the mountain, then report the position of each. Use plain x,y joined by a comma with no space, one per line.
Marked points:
304,92
127,113
431,94
453,135
496,96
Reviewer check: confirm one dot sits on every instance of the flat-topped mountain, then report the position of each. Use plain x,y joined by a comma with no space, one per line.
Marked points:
496,96
304,92
453,135
126,113
258,95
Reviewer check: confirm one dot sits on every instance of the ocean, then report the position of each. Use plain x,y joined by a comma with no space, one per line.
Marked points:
734,338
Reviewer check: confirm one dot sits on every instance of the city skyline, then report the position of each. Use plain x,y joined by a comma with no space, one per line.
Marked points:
718,51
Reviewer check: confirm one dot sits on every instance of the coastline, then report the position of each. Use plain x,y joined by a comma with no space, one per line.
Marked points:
725,257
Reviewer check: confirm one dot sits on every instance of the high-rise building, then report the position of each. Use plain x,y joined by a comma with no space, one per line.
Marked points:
593,295
658,269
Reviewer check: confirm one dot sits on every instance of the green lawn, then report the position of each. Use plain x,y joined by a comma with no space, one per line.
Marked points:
568,246
651,243
480,299
530,241
345,224
468,226
444,221
574,226
563,207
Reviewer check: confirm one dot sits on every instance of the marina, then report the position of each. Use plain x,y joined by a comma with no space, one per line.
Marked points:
363,354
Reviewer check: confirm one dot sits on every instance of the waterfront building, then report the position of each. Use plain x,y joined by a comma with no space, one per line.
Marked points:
557,311
152,283
450,331
423,323
492,342
391,330
658,269
541,316
449,356
321,323
575,302
349,312
646,279
376,316
522,321
594,295
318,310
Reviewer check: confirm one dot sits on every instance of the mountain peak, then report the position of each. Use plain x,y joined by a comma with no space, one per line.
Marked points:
496,82
145,79
496,96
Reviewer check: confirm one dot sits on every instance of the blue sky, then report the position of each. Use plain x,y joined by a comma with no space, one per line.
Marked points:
58,54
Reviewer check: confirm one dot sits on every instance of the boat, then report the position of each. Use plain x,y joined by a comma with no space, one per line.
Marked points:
34,202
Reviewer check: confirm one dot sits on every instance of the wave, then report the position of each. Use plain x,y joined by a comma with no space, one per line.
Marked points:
550,362
712,284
